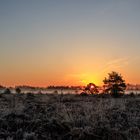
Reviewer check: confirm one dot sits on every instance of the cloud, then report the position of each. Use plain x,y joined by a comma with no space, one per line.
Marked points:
115,64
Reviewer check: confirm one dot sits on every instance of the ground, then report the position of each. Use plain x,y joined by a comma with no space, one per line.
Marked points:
69,117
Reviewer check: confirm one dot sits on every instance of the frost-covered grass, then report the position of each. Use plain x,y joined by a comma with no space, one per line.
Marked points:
69,117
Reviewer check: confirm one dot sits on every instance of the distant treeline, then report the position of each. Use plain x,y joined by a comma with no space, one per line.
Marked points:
133,87
50,87
2,87
30,87
65,87
129,87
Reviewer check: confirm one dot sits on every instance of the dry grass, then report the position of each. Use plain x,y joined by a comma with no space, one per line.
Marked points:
69,117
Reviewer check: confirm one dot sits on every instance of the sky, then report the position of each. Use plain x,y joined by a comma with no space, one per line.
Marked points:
68,42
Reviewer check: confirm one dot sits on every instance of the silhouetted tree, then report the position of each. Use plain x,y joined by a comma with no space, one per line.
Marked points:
7,91
114,84
92,88
18,90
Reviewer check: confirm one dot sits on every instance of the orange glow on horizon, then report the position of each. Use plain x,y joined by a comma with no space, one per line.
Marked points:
72,80
89,78
62,79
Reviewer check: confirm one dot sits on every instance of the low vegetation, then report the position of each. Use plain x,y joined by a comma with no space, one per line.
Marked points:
69,117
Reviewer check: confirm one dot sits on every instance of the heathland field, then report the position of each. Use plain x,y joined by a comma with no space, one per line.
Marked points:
69,117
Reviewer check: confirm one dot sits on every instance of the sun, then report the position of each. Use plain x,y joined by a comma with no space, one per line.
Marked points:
86,77
91,86
90,79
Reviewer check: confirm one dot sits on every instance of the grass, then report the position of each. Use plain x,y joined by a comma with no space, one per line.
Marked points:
69,117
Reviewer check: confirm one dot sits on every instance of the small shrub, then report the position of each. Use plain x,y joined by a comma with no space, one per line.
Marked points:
132,94
7,91
18,90
55,92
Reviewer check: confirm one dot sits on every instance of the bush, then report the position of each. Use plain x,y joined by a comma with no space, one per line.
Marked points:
7,91
18,90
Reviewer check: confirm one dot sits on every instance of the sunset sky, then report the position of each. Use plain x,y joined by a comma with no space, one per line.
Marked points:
68,42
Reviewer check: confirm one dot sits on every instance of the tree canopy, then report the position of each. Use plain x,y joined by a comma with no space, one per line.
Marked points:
114,84
91,88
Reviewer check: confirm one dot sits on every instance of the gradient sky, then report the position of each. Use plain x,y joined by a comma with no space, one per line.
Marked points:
68,42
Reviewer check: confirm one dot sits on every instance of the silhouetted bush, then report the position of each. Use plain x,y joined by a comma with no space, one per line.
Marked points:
132,94
18,90
91,89
7,91
55,92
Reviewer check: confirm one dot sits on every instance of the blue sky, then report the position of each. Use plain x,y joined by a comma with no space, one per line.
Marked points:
68,41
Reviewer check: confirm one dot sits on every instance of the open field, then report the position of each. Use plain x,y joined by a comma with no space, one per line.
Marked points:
69,117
